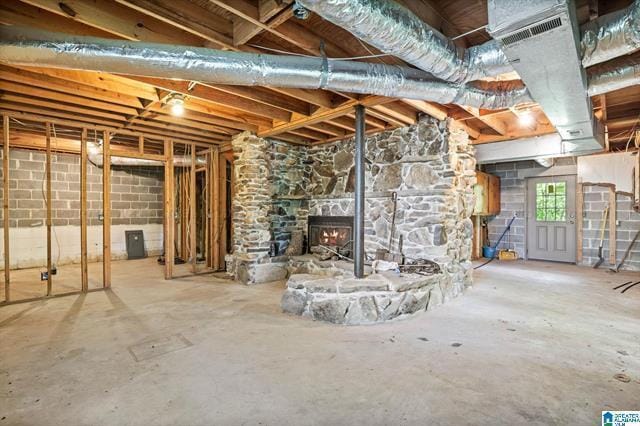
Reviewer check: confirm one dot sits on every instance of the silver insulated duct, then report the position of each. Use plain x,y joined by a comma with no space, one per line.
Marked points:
20,46
614,75
394,29
611,36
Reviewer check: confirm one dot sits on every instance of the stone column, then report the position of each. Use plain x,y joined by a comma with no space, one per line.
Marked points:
252,207
252,197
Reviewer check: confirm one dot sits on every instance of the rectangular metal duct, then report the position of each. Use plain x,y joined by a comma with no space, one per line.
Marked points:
541,39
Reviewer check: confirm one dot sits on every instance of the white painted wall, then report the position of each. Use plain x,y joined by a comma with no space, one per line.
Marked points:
28,246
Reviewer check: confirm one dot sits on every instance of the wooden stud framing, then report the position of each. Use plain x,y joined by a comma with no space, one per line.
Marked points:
169,205
215,208
579,220
106,209
192,211
207,216
48,201
612,226
5,207
84,267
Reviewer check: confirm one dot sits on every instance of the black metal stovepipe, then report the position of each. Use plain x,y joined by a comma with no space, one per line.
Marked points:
358,214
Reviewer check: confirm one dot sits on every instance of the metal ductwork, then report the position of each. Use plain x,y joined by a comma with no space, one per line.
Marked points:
541,40
394,29
611,36
614,75
28,47
538,148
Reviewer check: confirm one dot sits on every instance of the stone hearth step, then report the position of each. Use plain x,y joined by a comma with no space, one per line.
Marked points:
346,300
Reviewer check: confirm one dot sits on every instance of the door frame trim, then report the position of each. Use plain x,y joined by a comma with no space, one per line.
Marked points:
526,211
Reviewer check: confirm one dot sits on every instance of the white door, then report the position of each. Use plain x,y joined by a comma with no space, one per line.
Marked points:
551,218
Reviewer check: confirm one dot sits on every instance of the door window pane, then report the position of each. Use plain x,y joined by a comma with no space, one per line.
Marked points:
551,201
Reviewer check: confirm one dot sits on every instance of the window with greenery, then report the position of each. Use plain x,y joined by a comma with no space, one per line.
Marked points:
551,201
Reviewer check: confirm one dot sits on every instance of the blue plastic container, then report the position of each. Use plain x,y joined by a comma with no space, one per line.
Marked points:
488,252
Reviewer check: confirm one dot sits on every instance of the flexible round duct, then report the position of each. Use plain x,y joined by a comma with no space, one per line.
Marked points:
394,29
611,35
20,46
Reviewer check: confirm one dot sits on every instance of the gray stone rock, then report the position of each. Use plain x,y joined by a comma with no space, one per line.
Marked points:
343,160
331,309
268,272
361,311
294,302
389,178
421,176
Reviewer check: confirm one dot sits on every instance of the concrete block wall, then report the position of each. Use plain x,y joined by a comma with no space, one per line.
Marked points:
136,203
595,200
513,190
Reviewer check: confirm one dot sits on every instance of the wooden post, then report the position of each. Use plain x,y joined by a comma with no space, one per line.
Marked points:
141,145
106,209
192,210
214,208
5,206
579,220
613,218
205,211
184,249
169,240
84,267
48,201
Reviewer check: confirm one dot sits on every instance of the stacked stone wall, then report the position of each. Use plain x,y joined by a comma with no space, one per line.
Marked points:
429,165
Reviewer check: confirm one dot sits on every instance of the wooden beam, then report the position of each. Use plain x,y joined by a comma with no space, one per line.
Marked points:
106,210
613,219
492,121
118,20
48,82
434,110
77,124
324,115
579,220
50,95
102,80
213,208
84,267
49,200
244,31
5,206
169,205
14,12
192,212
191,18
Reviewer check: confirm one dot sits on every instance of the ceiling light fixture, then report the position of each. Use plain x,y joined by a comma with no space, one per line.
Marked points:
176,104
526,119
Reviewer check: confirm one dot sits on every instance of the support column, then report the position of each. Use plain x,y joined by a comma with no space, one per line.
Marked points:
106,208
358,215
169,206
192,212
49,200
5,206
84,267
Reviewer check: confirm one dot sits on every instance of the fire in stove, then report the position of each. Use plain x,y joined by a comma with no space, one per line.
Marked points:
334,236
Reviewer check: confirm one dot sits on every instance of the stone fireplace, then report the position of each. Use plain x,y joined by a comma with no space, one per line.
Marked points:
283,190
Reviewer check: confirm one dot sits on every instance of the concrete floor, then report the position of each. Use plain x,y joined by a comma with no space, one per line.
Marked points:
534,343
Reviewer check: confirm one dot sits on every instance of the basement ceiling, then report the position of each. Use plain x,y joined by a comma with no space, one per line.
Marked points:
215,113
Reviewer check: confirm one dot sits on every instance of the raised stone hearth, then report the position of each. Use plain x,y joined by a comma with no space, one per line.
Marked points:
345,300
429,167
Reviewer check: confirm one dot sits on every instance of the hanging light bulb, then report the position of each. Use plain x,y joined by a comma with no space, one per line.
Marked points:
176,104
